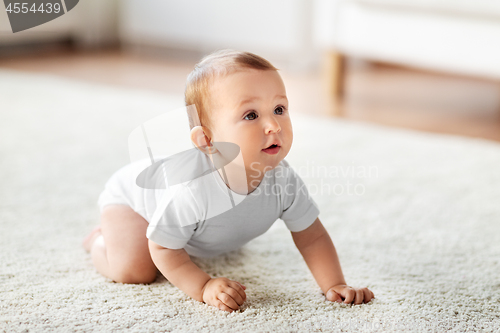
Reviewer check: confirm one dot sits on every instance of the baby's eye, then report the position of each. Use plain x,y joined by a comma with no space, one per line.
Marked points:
252,116
279,110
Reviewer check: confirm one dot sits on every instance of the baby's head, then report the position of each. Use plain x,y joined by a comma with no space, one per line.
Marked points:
241,98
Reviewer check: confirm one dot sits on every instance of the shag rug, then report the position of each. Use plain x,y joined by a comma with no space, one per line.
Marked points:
415,217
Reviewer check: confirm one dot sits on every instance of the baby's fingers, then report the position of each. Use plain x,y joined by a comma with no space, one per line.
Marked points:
360,296
228,301
368,295
221,306
349,294
237,291
332,296
234,295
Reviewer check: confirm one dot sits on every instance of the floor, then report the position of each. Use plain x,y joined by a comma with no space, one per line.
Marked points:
374,92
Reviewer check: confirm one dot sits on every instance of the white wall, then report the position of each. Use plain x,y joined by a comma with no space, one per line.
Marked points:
277,29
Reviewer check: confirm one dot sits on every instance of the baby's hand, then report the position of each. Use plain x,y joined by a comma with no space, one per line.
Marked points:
224,294
348,294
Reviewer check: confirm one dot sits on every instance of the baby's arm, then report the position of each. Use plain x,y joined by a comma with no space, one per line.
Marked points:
178,268
318,251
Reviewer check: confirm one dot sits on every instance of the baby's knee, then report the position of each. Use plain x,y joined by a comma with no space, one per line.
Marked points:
133,275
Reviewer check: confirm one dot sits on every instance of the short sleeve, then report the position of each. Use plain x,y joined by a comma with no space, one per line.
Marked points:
176,223
299,209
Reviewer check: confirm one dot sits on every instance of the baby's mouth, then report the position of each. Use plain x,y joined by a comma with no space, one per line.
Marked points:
272,149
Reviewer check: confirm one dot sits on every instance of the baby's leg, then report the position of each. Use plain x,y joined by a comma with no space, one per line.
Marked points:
121,252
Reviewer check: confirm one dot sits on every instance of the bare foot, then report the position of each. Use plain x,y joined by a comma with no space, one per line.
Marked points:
89,240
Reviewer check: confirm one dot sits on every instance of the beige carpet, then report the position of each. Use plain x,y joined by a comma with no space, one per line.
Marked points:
420,225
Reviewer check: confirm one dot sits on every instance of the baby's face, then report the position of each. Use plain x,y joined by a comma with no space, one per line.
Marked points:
250,109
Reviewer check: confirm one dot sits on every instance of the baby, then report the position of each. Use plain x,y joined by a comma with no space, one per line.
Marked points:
240,98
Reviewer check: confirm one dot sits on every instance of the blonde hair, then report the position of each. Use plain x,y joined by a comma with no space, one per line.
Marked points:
212,66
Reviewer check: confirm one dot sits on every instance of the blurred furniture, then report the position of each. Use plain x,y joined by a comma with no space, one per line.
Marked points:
455,36
90,23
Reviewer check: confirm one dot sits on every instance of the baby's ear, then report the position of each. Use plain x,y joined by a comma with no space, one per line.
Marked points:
201,141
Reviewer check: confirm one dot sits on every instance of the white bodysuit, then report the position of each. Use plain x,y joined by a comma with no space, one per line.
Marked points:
198,215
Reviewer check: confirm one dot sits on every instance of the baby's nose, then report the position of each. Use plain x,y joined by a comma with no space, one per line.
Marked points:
273,127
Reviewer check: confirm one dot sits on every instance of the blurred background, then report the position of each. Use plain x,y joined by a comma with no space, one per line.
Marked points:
429,65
